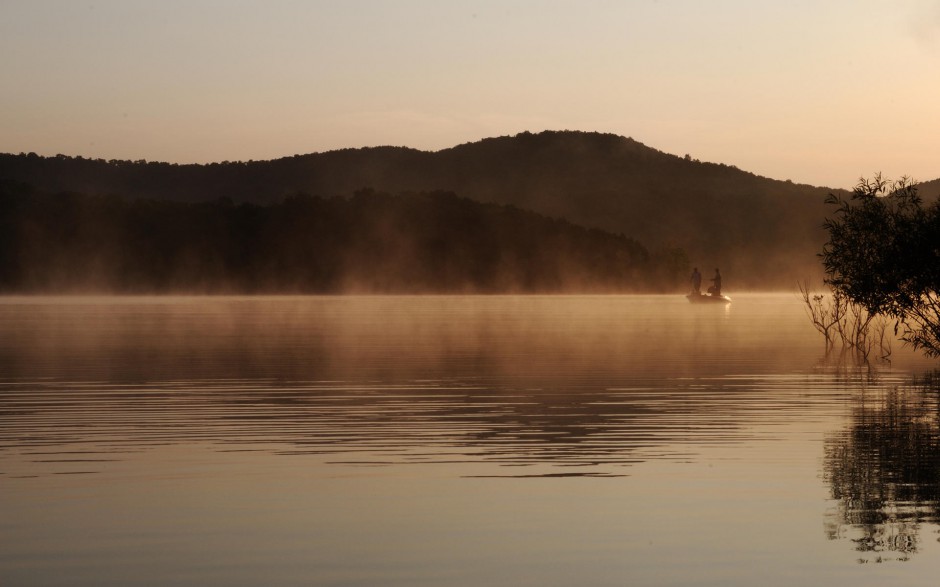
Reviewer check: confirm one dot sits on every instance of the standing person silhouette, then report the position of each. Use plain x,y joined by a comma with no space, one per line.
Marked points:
696,281
715,290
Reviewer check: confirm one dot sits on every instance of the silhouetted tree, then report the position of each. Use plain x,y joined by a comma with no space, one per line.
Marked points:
883,252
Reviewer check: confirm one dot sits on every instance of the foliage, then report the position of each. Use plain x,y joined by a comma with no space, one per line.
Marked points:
883,253
370,242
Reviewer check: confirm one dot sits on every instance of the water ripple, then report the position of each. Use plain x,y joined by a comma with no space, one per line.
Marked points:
55,425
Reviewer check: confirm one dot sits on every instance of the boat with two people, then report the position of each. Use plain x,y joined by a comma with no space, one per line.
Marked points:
713,296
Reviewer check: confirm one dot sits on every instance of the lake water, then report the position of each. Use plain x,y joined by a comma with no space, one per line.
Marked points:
457,440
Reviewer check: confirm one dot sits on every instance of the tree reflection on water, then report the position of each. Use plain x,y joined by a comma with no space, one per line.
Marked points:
883,470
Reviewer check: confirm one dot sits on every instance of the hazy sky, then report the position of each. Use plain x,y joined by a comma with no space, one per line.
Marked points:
815,91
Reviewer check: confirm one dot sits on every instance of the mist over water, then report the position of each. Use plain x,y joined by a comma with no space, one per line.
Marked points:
153,338
460,439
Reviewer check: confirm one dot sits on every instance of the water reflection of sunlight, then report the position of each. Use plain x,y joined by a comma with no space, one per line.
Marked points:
295,423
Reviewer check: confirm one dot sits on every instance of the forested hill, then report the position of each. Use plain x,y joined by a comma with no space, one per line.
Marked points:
370,242
929,190
761,232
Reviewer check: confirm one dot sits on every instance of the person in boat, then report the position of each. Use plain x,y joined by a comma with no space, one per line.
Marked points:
696,281
715,289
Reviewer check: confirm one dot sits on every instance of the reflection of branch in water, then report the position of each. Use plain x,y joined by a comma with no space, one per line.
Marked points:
884,470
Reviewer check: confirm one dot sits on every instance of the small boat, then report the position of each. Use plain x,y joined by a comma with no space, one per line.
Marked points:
708,299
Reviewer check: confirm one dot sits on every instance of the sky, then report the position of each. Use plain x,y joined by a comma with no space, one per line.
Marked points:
815,91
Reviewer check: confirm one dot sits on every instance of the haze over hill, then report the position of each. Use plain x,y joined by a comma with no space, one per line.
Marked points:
763,233
368,243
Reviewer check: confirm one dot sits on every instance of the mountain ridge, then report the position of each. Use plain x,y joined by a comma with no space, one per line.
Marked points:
764,233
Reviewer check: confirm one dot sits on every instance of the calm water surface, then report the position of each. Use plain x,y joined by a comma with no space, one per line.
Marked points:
457,440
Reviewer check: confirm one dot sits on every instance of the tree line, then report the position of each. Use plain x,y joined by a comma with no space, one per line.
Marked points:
763,233
372,242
